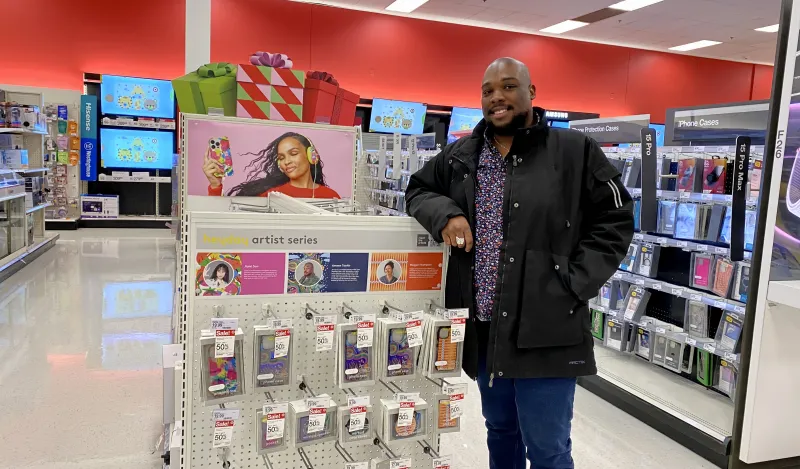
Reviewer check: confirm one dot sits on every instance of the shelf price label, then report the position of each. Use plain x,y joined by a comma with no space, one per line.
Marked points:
657,286
709,348
639,282
731,357
224,336
683,244
224,420
402,463
282,337
414,332
662,241
317,411
458,323
276,420
358,412
696,297
442,462
356,465
690,341
701,248
408,401
325,326
707,197
720,304
720,250
365,324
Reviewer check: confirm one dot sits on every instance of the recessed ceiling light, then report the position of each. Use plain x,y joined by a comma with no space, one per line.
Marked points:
695,45
406,6
563,27
768,29
630,5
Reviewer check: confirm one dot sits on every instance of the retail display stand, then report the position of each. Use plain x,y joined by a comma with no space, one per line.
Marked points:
299,276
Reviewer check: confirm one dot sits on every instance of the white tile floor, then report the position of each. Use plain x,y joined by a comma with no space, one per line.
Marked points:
80,380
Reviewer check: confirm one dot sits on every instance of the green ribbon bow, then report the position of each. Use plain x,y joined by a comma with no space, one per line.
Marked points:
217,69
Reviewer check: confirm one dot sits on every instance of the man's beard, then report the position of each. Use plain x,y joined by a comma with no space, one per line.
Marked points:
517,122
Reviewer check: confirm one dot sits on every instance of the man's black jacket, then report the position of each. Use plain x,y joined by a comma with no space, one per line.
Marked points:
567,224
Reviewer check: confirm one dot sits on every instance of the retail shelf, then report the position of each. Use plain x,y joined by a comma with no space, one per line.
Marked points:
693,403
707,344
681,291
38,207
130,123
126,221
31,170
686,245
14,130
682,196
17,260
161,179
11,196
756,151
785,293
62,220
389,211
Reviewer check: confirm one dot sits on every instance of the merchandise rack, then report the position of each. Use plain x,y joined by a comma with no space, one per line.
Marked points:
339,221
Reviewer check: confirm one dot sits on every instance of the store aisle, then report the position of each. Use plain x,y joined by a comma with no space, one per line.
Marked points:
81,330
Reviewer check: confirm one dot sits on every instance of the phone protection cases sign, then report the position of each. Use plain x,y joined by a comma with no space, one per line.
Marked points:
259,265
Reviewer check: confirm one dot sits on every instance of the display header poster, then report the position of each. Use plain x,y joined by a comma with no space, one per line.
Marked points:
625,129
250,158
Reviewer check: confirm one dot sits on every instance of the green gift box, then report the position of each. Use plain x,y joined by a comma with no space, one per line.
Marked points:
211,86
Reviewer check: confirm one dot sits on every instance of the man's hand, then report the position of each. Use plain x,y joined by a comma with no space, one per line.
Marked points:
456,233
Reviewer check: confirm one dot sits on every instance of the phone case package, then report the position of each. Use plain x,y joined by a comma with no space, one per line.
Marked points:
723,276
637,215
442,357
629,261
703,220
390,432
729,330
704,363
687,223
616,335
396,359
725,378
605,294
355,366
442,421
687,362
659,348
741,282
632,177
696,319
702,272
715,222
686,174
635,304
673,356
298,419
619,289
266,446
223,378
647,260
598,321
363,435
643,343
750,221
271,373
714,175
666,216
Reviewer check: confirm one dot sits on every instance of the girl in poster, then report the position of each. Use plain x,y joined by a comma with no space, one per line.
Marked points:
290,164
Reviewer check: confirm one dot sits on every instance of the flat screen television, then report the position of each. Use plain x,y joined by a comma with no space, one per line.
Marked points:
136,149
462,121
141,97
397,117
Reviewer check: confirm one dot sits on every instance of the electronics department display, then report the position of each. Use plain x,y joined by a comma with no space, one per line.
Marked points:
136,149
142,97
397,117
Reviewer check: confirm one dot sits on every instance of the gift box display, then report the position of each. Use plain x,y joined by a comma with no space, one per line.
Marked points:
326,103
211,86
268,89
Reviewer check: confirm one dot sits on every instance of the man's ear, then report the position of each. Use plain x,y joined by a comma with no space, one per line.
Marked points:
533,92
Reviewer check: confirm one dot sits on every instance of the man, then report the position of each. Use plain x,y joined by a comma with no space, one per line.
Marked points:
388,271
309,278
551,223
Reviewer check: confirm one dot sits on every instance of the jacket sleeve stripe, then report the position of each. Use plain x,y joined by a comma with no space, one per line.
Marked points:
615,191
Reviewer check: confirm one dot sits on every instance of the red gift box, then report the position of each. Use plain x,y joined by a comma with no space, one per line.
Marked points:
326,103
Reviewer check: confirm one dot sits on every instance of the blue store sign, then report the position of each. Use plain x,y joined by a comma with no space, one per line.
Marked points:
88,161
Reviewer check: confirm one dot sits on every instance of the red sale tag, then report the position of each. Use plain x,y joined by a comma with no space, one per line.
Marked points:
282,337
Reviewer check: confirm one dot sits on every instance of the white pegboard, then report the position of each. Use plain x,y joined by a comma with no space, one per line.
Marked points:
316,368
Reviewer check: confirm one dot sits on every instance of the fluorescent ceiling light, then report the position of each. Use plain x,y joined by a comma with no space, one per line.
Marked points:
630,5
695,45
563,27
406,6
768,29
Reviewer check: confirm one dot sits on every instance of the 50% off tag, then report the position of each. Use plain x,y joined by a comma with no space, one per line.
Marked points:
223,427
325,326
276,420
317,412
282,337
365,325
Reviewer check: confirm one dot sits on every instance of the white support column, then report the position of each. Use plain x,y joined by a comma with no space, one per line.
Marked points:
198,34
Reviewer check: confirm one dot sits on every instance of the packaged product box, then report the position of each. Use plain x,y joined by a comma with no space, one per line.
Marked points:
99,206
714,173
270,93
327,103
211,86
15,159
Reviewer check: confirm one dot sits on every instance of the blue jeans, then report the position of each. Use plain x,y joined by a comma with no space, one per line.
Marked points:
533,414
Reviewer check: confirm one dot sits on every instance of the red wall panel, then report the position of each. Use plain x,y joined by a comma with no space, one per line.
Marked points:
63,39
762,82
